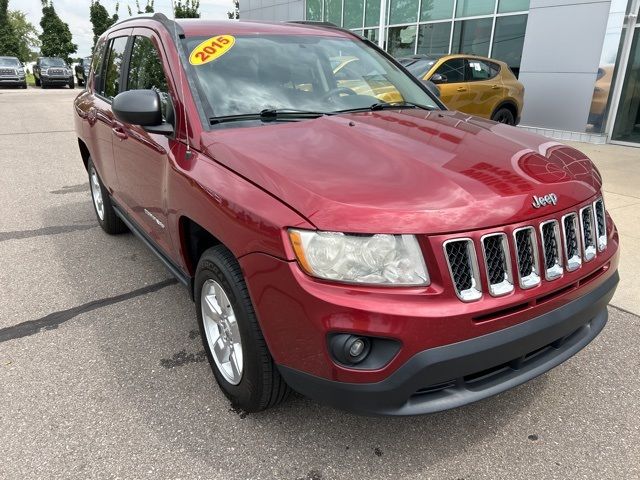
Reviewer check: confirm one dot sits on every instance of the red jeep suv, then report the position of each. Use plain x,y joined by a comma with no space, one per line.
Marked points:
348,239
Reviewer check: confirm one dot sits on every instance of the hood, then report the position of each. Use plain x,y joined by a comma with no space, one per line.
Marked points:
405,171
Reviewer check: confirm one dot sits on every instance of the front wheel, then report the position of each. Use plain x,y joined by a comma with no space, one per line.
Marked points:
504,115
106,215
71,84
232,338
37,80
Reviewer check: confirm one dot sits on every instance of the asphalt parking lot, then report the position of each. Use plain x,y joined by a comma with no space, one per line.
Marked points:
102,373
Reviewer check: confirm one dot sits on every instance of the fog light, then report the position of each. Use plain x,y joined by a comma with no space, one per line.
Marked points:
357,347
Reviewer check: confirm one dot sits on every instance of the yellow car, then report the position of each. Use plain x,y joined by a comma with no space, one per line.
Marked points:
476,85
350,73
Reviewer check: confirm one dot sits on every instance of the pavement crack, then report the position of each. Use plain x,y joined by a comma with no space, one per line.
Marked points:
43,232
82,187
55,319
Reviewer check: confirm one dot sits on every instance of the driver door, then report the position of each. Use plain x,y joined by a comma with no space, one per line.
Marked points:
454,91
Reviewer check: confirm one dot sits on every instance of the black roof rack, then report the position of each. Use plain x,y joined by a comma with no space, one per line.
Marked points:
169,24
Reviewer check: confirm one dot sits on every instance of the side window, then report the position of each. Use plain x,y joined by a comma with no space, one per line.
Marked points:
479,70
452,70
146,73
96,65
115,56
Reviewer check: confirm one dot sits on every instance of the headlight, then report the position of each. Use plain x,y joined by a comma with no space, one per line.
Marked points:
21,72
366,259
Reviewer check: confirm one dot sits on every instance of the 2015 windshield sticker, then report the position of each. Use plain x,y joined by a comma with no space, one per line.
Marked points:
211,49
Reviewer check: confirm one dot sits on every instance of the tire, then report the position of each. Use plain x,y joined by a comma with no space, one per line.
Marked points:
504,115
24,85
37,80
256,383
43,84
102,206
71,84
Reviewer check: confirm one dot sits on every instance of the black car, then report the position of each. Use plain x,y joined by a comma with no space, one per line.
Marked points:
52,71
12,72
82,70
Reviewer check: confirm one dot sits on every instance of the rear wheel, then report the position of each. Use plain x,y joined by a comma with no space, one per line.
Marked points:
106,215
37,80
504,115
232,338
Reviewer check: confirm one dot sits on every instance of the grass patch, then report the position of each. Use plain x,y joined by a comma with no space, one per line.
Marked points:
31,80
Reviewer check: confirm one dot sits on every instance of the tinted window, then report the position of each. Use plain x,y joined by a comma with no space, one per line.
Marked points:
52,62
453,70
433,38
479,70
113,67
96,65
419,68
508,40
472,36
9,62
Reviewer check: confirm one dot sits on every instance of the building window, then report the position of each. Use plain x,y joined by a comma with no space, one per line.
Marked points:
505,6
508,40
334,11
403,11
401,40
314,10
472,8
436,10
371,34
353,10
372,13
472,37
433,38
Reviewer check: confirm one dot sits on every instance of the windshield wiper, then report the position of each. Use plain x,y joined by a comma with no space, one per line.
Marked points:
387,106
269,114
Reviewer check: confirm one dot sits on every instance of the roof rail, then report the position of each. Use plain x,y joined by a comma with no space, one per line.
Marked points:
313,22
169,24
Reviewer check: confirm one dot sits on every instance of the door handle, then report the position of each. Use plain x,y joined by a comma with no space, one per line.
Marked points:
119,132
461,89
495,87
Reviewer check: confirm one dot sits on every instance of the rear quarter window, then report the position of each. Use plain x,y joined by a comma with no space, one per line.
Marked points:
113,67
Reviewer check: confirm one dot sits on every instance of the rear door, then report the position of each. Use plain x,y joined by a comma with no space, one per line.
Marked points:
485,87
454,91
142,158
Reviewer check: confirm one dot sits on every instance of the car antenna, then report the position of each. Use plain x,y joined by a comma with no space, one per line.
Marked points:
182,72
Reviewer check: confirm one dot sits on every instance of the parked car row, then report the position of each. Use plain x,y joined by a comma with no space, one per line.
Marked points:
12,72
50,71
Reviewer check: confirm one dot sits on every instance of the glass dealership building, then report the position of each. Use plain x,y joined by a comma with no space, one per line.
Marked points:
579,60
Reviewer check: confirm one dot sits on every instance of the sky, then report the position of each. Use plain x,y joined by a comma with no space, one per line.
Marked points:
76,14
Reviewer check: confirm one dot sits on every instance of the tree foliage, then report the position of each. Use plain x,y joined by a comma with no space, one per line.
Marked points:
148,8
26,34
235,13
9,44
56,37
100,19
187,9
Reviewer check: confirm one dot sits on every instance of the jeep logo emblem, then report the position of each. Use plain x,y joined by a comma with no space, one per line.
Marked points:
549,199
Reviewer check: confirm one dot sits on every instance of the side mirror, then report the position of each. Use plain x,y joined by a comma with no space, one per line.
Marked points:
432,87
438,78
141,107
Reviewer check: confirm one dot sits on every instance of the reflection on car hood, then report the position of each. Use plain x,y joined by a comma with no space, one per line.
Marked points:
406,171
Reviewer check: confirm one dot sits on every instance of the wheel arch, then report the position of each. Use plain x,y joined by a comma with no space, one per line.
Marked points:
194,241
510,105
84,152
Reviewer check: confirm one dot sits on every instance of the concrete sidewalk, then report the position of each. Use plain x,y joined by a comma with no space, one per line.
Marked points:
620,168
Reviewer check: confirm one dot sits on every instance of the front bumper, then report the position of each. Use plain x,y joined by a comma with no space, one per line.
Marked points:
460,373
12,81
56,80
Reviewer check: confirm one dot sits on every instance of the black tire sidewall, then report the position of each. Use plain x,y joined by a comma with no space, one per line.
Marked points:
247,394
503,111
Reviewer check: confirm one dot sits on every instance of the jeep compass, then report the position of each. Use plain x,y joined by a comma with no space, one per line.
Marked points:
354,240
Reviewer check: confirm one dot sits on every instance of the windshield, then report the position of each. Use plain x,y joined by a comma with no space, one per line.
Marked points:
299,72
418,68
52,62
10,62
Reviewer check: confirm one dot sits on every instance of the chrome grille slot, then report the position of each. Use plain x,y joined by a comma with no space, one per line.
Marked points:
527,256
601,224
588,233
497,263
550,233
571,242
463,268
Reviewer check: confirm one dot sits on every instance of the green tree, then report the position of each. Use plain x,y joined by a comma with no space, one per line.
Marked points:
148,8
9,43
56,37
27,35
235,13
100,19
188,9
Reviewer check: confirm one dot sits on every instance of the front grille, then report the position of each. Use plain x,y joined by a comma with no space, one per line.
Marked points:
55,72
551,249
8,72
601,224
571,241
497,263
588,233
563,244
527,256
463,267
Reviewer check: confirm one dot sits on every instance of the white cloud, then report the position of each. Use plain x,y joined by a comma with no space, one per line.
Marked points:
76,14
